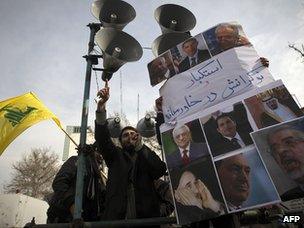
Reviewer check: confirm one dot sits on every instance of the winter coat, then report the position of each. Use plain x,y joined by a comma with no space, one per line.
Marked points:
147,168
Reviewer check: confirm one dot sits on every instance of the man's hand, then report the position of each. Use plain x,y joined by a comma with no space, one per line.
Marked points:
264,61
187,198
72,208
158,104
104,95
242,40
207,199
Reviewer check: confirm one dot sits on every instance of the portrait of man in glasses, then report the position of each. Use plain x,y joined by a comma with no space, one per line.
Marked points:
286,145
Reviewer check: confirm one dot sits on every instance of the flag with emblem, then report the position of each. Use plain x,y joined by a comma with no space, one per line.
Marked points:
19,113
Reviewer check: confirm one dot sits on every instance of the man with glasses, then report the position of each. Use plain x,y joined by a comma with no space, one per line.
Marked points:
286,145
194,201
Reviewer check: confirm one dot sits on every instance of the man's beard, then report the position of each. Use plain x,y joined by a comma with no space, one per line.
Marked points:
297,175
297,172
130,148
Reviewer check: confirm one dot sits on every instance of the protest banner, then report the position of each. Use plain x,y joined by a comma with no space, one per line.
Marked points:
218,79
212,104
210,154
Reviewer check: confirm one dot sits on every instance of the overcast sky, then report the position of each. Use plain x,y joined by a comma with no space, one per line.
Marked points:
42,44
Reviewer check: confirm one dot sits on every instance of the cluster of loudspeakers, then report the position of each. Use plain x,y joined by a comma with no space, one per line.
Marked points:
117,49
117,46
175,22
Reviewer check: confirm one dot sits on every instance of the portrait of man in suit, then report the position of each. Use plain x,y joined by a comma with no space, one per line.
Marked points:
234,174
194,55
230,138
187,151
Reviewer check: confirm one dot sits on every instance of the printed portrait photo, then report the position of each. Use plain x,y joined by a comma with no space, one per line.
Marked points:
282,149
184,144
272,107
161,68
227,129
197,193
190,53
225,36
245,181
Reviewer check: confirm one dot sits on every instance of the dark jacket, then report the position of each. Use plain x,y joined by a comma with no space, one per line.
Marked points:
148,167
64,186
294,193
202,55
225,145
196,151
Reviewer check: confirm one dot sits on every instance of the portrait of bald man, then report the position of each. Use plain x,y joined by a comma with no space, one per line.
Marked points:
234,174
224,37
161,68
245,181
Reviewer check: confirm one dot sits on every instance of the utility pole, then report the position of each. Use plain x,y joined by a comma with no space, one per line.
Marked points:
120,74
137,107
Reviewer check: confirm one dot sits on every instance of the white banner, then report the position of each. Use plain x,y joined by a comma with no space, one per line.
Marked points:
220,78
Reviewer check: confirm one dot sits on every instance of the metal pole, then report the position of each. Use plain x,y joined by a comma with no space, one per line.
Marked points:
120,74
137,107
113,223
84,123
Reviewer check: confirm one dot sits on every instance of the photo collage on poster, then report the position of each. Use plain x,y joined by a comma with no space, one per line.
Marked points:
213,163
280,139
195,50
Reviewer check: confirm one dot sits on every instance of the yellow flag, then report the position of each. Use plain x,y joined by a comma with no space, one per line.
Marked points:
19,113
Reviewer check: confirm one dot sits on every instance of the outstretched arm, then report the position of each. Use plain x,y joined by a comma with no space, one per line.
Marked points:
102,134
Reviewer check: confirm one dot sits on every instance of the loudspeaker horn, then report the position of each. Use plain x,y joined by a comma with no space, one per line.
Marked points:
174,18
166,41
146,126
115,126
113,13
117,48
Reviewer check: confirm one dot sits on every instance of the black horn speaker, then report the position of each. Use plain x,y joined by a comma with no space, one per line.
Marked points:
117,48
113,13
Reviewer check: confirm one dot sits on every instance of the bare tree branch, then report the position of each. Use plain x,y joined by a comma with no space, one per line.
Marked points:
34,173
292,46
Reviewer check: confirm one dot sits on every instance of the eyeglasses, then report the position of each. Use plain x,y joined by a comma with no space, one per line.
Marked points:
275,149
